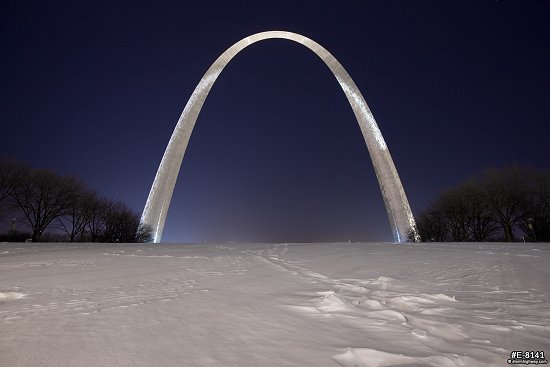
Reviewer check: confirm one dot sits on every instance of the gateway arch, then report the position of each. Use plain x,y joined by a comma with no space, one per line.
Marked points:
399,212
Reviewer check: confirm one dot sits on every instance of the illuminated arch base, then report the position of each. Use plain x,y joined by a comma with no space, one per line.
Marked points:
397,206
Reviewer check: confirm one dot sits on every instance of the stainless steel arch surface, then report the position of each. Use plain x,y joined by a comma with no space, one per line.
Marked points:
397,206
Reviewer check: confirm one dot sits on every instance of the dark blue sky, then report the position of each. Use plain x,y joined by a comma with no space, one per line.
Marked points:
94,89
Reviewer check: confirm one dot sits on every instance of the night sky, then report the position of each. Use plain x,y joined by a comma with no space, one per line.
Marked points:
94,89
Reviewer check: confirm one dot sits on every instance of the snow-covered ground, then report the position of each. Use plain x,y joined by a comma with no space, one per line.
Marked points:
272,304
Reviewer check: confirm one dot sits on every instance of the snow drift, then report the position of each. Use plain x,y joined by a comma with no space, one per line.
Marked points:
241,305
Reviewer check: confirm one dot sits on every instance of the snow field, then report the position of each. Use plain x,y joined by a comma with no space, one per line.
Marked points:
272,304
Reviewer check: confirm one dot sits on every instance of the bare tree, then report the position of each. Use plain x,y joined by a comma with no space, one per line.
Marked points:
78,215
42,196
506,194
96,210
535,225
5,186
122,225
481,224
458,215
432,225
454,207
144,233
503,203
45,198
9,171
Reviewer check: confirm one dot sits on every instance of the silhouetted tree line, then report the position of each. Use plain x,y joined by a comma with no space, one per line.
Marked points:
65,204
508,204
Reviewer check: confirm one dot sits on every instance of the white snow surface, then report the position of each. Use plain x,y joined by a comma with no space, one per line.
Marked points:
330,304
